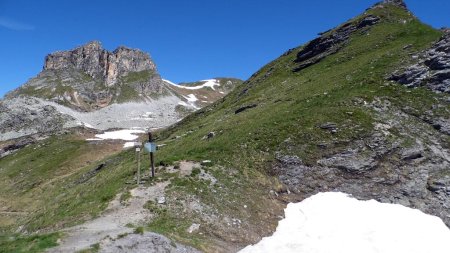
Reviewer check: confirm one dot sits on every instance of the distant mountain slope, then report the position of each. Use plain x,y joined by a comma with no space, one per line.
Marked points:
89,77
90,86
205,92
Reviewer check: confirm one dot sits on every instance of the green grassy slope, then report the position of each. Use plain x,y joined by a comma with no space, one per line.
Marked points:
54,183
289,108
291,105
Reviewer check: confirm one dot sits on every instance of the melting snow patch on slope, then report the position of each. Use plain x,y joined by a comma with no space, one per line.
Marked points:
191,98
211,83
183,103
129,144
191,104
169,82
126,135
335,222
207,83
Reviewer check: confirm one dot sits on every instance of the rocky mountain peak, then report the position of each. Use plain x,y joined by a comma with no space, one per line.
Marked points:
99,63
90,77
93,45
399,3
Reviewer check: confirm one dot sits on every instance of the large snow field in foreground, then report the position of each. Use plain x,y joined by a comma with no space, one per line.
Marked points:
335,222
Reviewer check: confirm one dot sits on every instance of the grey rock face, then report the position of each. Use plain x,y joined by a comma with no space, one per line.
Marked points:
432,71
27,116
97,62
362,157
329,44
89,77
148,242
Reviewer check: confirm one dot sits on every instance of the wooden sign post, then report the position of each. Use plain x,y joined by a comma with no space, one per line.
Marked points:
152,162
138,150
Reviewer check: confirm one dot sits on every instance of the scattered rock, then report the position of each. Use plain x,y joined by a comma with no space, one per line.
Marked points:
332,127
412,154
439,184
21,143
243,108
407,46
162,200
90,174
210,135
194,227
147,242
206,162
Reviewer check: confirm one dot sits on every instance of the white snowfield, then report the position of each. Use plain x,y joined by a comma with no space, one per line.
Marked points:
334,222
207,83
126,135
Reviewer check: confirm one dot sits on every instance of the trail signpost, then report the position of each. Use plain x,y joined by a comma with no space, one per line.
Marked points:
138,151
150,146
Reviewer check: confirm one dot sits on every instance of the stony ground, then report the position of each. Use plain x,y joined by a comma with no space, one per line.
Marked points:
25,116
116,229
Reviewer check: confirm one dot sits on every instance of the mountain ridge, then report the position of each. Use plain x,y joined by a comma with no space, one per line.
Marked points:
90,86
89,77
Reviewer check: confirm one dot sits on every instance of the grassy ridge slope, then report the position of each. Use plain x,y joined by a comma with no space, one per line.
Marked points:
292,105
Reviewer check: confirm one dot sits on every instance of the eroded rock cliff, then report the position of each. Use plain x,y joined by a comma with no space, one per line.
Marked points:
90,77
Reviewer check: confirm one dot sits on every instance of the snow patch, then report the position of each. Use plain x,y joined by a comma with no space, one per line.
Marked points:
336,222
126,135
169,82
183,103
128,144
207,83
192,105
191,98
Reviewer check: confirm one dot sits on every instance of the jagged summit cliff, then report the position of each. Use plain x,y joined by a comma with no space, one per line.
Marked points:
97,62
90,77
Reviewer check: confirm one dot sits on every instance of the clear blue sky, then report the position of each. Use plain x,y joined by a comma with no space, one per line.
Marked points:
189,40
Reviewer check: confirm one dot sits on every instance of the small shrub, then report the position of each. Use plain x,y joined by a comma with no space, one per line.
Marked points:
139,230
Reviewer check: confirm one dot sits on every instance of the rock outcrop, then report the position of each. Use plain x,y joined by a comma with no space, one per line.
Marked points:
97,62
330,42
26,116
89,77
432,70
399,3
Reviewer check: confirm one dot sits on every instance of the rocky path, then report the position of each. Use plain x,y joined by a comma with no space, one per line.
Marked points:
112,230
113,222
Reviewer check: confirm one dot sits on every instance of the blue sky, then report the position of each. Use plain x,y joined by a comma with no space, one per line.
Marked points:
189,40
